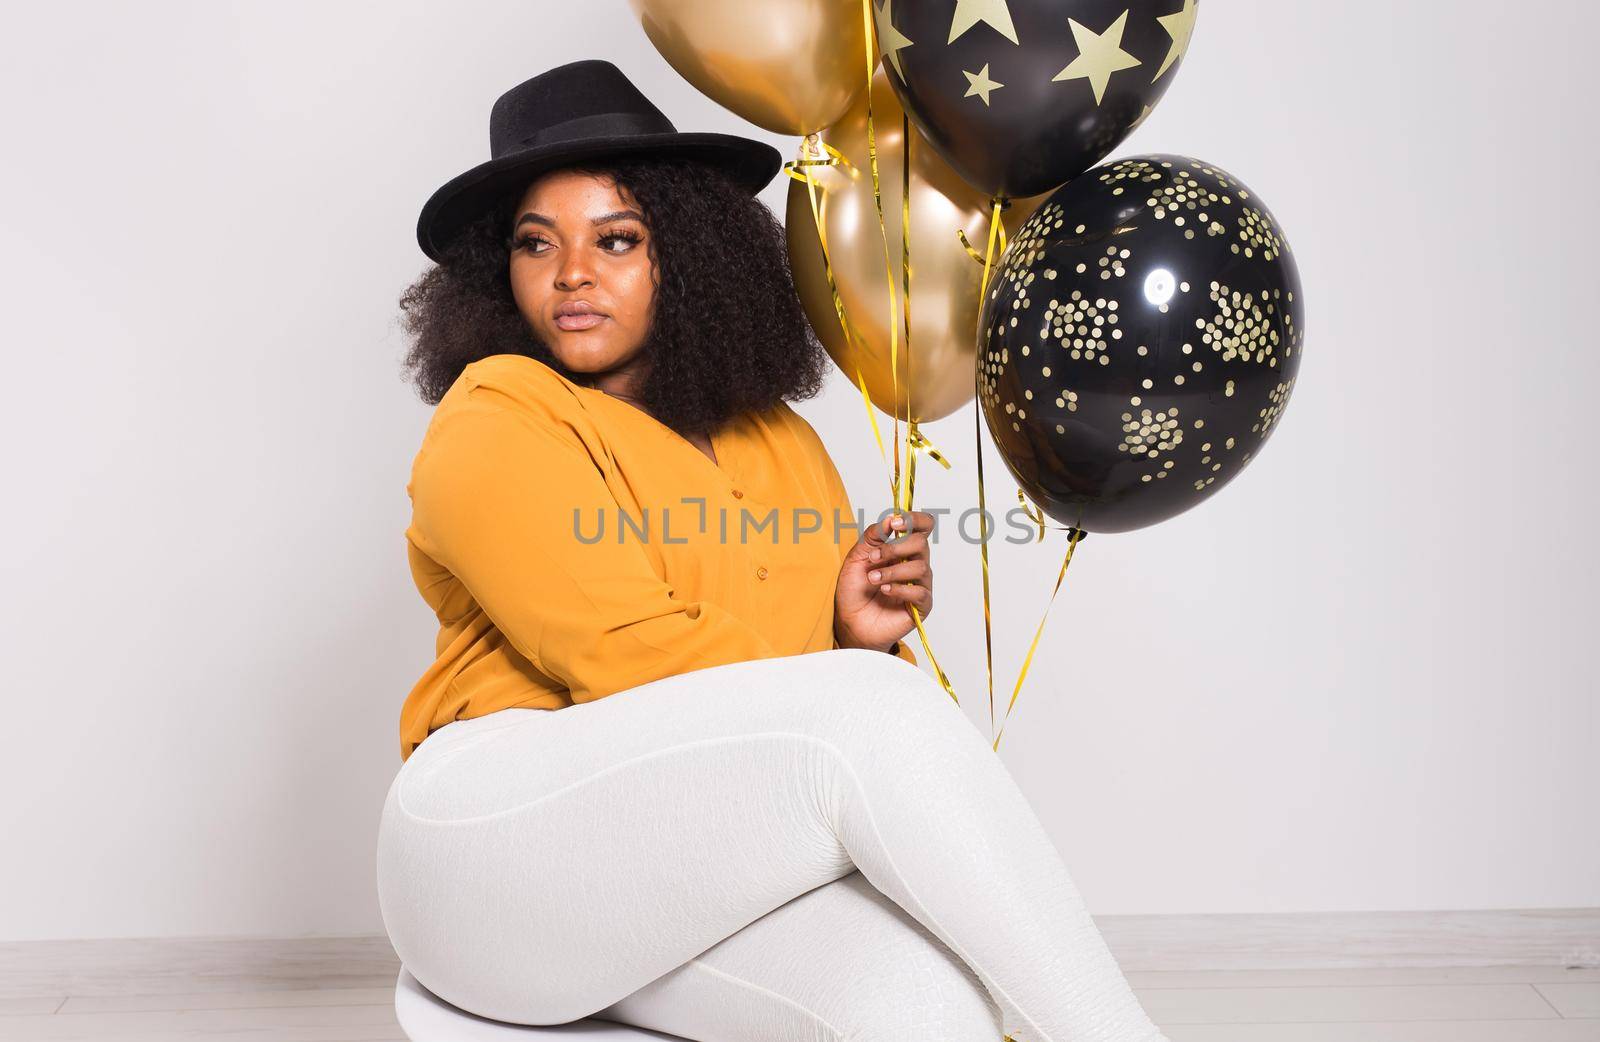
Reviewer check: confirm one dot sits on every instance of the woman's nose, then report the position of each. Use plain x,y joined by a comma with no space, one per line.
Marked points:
573,273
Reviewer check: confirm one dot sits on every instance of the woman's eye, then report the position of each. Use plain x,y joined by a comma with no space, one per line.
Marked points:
527,243
626,238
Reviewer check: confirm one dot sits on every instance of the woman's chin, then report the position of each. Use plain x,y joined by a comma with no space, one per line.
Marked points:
580,356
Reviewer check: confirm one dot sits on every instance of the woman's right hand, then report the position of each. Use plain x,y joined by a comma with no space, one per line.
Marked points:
880,579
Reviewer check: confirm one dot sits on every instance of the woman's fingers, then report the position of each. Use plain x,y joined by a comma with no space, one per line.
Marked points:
911,545
877,535
910,593
897,549
916,570
913,522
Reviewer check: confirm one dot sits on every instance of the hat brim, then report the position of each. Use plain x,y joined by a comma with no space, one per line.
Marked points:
750,164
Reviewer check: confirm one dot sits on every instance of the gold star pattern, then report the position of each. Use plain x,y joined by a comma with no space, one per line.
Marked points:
970,12
1179,26
980,84
1099,55
890,39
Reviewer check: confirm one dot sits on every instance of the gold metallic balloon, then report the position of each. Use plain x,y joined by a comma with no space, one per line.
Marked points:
789,66
944,279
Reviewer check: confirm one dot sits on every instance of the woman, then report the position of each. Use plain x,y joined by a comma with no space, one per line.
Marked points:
753,817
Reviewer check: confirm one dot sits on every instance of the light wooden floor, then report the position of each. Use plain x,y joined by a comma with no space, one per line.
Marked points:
1415,1004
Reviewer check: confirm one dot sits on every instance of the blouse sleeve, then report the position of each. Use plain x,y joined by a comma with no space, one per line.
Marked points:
500,495
848,535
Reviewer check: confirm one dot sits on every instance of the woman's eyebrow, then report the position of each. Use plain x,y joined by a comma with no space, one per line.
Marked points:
606,218
618,215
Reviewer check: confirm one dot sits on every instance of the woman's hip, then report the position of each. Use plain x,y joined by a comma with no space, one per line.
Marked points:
540,866
849,698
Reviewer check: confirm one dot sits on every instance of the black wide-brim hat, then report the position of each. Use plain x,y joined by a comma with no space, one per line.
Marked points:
578,111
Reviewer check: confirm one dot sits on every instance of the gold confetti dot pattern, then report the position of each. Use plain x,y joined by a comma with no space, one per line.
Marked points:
1219,176
1256,234
1025,250
1111,262
1084,328
1150,433
1181,193
1243,327
1276,400
991,367
1133,171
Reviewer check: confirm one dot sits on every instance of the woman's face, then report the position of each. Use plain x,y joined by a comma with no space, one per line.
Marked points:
581,245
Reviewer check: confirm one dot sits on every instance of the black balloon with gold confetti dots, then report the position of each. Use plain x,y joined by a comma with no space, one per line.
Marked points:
1139,341
1020,95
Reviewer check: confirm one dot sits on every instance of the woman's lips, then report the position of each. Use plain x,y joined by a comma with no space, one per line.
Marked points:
572,323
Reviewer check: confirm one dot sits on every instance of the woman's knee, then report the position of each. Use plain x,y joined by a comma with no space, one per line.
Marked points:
856,674
885,697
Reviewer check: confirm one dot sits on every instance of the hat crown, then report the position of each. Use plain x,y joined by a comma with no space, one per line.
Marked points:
571,114
581,99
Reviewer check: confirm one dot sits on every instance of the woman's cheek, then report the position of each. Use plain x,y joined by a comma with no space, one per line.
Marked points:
639,299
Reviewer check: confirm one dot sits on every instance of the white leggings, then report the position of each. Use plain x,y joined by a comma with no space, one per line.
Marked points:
815,848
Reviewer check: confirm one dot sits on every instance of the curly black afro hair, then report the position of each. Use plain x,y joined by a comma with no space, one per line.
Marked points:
727,334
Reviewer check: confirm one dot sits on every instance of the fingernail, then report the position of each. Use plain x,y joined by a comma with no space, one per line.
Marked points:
877,554
874,576
884,587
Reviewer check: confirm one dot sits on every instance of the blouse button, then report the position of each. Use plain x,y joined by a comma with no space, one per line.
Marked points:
761,573
738,494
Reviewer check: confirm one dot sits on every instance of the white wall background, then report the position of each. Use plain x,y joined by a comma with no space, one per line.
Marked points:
1361,677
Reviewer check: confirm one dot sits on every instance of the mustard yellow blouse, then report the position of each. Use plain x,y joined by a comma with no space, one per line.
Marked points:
573,546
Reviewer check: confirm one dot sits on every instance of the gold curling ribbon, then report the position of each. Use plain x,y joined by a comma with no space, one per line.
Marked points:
920,442
1037,516
916,441
900,490
796,168
1033,512
974,254
905,274
977,437
1074,537
868,30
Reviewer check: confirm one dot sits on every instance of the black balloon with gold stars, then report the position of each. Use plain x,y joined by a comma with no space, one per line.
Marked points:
1018,96
1139,341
